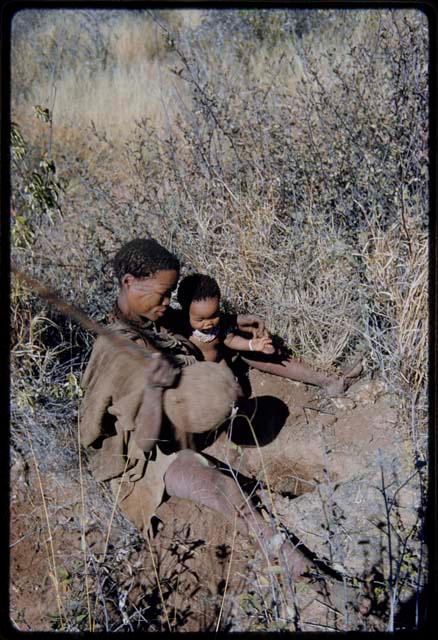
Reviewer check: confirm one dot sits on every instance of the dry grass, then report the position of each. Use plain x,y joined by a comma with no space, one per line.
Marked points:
115,99
112,73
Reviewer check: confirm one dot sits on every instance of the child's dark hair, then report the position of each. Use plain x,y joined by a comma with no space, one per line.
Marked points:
142,258
197,287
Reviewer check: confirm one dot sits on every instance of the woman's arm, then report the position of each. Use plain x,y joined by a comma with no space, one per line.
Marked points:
251,324
124,379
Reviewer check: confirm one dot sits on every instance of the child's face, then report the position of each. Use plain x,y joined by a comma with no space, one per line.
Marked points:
204,314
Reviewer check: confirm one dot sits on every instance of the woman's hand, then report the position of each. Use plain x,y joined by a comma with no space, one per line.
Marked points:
263,344
161,373
252,324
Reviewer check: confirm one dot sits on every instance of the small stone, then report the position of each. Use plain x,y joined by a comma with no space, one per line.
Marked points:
368,392
344,404
326,419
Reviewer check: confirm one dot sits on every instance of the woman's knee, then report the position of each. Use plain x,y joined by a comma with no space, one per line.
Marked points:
185,473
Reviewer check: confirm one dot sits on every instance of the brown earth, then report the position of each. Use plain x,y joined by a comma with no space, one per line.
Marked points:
321,441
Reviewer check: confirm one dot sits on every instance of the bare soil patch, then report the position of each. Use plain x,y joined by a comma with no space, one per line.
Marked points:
319,438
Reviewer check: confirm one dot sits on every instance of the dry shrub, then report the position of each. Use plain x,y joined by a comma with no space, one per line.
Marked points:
270,181
395,304
399,302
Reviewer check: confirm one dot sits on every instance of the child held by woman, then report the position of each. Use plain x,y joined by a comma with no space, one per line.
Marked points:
213,333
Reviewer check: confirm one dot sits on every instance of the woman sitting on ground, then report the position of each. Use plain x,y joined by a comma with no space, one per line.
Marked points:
141,399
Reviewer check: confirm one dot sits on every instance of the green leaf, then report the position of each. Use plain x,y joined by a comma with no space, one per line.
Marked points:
63,574
81,617
275,570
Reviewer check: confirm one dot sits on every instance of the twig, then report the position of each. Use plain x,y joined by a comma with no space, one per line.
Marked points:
322,626
158,582
403,216
327,606
26,535
116,500
228,572
83,542
52,550
82,318
390,554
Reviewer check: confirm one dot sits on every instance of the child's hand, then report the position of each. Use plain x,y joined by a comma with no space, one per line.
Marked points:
263,344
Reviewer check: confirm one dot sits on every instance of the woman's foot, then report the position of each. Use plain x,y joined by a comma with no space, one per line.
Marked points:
338,386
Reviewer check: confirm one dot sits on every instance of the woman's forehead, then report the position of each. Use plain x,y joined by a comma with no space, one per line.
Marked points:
165,279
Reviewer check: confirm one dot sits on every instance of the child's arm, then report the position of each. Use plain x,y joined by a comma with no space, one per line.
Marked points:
237,343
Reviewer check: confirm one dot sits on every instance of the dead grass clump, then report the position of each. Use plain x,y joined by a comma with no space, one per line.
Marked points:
396,271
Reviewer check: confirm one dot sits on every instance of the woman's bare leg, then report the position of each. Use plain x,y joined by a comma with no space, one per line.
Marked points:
302,372
189,478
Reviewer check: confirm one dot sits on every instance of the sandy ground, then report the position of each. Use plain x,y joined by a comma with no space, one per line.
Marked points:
197,557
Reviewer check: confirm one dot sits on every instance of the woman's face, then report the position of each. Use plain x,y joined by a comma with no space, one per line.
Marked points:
150,297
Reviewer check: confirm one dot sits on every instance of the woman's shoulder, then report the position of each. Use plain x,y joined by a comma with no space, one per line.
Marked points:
117,326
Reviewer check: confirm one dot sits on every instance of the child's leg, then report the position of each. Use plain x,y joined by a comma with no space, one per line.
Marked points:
292,369
302,372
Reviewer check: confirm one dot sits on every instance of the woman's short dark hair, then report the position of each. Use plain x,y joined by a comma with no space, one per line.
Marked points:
197,287
142,258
